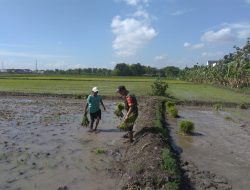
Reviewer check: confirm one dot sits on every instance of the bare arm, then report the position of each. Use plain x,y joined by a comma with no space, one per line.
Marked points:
103,105
86,109
130,110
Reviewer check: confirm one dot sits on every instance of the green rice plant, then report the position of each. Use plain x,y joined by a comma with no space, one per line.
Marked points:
217,107
228,118
119,108
129,122
173,112
186,127
170,104
85,121
99,151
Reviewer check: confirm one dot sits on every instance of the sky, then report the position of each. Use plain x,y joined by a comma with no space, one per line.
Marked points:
68,34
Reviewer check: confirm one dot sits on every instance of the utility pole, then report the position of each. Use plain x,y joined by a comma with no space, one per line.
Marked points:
2,66
36,66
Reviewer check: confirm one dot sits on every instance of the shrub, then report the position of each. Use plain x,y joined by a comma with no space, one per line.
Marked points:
186,127
159,88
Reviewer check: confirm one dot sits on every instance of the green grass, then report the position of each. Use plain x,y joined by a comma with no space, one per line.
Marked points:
141,86
171,166
201,92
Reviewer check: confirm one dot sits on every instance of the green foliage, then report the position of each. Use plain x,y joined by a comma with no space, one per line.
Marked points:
170,104
173,112
119,108
159,87
217,107
172,72
99,151
243,106
171,109
171,166
186,127
85,121
233,71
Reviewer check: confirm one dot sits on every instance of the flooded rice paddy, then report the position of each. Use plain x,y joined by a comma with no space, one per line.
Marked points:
220,142
43,146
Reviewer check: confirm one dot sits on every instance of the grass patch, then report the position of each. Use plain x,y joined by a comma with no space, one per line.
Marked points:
207,93
186,127
171,166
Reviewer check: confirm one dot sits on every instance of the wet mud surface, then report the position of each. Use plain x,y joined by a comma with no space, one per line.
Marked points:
217,154
43,146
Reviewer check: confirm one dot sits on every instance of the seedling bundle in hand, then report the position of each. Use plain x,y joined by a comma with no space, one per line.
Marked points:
118,111
85,121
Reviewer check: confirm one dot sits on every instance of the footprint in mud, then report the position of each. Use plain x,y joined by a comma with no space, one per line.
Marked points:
63,188
85,141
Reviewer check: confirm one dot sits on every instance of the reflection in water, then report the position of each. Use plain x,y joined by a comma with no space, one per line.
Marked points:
185,141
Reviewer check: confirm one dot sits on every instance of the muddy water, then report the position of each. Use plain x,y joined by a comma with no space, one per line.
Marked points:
220,144
43,146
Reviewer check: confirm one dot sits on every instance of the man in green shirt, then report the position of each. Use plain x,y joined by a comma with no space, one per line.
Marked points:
93,106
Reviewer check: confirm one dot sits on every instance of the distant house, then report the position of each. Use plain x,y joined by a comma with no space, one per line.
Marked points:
212,63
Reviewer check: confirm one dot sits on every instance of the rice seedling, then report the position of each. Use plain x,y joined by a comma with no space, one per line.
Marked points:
99,151
186,127
217,107
118,111
85,121
173,112
129,122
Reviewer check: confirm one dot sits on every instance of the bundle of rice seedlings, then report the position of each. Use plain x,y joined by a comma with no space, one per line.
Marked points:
118,110
85,121
186,127
173,112
129,123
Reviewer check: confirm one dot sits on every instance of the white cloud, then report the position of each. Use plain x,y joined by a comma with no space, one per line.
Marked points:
133,31
136,2
131,34
193,46
160,57
180,12
227,33
223,35
248,1
141,13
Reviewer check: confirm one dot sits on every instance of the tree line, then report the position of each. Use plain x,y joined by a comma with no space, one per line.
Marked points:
122,69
